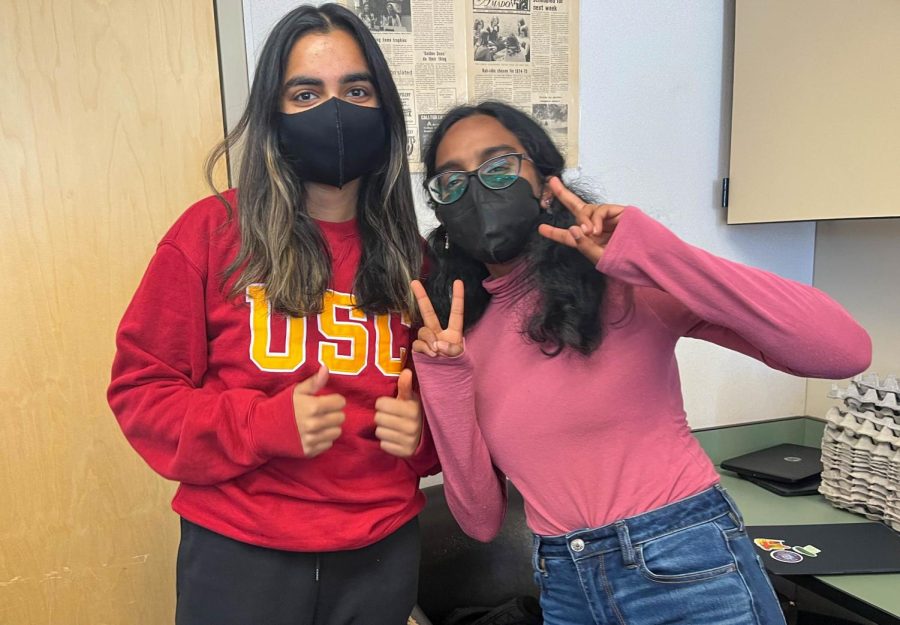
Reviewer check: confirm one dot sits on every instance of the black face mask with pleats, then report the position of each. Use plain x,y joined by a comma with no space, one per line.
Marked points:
492,226
335,142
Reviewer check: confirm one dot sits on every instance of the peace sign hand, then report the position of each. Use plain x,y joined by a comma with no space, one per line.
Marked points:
433,339
595,223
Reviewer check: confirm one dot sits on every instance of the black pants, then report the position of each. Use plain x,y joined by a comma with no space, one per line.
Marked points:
221,581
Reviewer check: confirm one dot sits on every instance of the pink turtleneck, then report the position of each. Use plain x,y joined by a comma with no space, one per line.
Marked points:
589,440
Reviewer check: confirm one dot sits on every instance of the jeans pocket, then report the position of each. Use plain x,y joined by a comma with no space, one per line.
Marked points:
692,554
539,581
539,566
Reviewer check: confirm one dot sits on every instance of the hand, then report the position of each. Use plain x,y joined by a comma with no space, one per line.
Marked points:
398,421
595,223
433,339
319,418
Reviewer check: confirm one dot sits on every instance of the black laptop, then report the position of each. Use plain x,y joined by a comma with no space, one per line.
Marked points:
809,486
786,463
827,549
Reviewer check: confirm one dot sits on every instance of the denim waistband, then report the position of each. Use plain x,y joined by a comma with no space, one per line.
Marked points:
703,507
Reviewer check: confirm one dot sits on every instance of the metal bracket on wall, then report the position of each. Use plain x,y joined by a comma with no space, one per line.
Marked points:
725,192
233,76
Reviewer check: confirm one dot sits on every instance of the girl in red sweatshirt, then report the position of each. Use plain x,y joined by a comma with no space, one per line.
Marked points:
262,361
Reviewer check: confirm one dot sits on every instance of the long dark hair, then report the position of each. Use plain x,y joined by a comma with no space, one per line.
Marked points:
281,245
570,289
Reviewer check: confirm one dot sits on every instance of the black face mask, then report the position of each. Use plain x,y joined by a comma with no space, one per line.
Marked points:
492,226
335,142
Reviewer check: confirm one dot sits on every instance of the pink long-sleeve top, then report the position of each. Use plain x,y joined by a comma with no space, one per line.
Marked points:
589,440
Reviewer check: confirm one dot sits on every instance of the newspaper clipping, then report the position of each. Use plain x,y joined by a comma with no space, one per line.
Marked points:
448,52
525,52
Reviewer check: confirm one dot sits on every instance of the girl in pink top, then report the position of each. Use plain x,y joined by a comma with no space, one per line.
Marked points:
567,383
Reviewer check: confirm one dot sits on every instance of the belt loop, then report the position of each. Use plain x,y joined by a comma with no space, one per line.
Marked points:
536,560
625,545
734,513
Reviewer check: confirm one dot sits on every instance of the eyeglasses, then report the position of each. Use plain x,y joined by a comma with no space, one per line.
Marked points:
495,173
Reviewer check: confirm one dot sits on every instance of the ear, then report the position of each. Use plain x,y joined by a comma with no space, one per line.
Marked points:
546,197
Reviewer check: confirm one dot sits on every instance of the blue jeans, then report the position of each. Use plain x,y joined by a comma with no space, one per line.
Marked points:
688,563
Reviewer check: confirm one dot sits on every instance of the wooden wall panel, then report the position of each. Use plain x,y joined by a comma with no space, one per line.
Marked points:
107,110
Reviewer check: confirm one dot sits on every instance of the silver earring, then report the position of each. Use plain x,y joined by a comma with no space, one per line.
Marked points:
446,240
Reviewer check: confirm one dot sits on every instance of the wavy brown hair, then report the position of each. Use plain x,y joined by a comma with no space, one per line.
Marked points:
281,245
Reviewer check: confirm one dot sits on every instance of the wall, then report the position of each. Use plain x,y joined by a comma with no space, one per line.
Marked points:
655,127
655,133
857,263
106,113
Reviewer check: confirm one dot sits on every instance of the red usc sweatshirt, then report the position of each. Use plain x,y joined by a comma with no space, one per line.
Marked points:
202,388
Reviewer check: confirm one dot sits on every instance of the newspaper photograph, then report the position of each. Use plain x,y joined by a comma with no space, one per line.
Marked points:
501,37
381,15
448,52
525,52
554,118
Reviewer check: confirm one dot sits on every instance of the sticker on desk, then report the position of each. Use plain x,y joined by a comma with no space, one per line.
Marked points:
770,544
808,550
788,557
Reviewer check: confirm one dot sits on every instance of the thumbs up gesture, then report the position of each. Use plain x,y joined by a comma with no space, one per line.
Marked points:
398,420
319,417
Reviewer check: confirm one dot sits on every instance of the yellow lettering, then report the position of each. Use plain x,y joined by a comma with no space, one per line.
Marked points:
384,339
352,335
261,335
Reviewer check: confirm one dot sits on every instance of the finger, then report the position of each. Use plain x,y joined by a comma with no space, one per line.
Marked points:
421,347
428,335
406,443
401,451
586,245
395,428
457,308
313,450
559,235
323,422
405,385
429,317
315,444
323,436
604,217
451,350
407,411
613,216
314,383
571,201
597,219
329,403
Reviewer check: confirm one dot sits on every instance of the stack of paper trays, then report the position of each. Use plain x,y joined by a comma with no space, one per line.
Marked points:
861,449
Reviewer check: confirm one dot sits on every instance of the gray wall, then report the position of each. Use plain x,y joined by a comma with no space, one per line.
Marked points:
857,263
